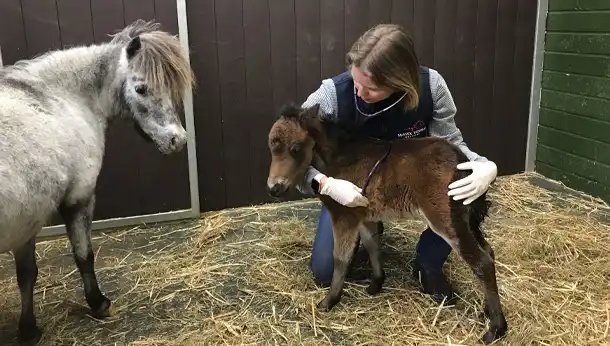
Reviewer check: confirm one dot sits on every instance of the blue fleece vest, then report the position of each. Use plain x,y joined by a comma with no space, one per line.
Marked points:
395,123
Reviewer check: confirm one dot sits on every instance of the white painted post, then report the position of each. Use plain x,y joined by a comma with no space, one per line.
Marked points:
189,113
532,128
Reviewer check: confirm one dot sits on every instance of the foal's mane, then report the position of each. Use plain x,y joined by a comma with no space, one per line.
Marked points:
161,58
333,142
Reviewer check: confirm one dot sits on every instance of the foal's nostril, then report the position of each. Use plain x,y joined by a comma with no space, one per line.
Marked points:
274,190
173,141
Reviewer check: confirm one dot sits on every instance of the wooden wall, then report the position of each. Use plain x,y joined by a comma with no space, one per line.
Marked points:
136,179
574,130
252,56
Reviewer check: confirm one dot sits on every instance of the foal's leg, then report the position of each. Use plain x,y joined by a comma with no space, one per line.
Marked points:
27,272
463,240
370,239
345,233
78,218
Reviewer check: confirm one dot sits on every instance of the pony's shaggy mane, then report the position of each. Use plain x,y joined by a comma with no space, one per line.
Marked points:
160,58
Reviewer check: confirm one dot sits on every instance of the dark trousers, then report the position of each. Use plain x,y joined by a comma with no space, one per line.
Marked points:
431,250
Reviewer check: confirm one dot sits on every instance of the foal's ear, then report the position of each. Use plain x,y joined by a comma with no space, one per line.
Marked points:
310,113
310,118
133,47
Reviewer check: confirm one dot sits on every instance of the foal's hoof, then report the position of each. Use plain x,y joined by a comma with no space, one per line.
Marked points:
327,304
375,285
29,336
494,333
102,310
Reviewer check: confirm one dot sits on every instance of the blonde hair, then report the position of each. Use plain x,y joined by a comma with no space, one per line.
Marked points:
387,54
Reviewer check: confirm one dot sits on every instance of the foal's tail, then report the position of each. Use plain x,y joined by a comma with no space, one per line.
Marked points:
478,210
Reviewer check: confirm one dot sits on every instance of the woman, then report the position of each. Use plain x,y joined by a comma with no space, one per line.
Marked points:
386,94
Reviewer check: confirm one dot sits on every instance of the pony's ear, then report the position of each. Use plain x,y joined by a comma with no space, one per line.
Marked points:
133,47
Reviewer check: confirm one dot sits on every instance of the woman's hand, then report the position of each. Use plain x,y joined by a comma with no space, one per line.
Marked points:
343,192
474,185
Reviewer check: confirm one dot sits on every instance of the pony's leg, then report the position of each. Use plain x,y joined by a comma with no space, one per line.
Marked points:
27,272
463,240
78,218
370,239
345,233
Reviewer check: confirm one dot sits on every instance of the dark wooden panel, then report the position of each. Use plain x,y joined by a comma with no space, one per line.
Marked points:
356,23
107,17
206,104
402,14
463,76
138,9
423,32
501,117
12,33
577,43
308,47
235,130
120,170
517,114
444,39
260,112
380,11
144,153
167,14
484,75
41,25
75,23
163,180
283,51
283,57
332,30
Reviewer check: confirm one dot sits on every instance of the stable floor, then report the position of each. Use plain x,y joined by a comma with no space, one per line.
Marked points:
240,277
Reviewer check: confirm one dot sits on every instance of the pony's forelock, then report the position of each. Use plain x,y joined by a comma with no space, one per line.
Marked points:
160,59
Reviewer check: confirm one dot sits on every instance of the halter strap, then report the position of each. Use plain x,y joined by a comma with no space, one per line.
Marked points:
372,171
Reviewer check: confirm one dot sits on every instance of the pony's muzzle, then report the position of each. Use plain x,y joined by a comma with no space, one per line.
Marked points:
177,140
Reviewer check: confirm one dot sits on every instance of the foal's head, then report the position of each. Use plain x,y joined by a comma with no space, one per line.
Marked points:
291,140
157,75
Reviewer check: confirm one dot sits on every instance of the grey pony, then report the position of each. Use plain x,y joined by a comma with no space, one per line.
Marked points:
54,111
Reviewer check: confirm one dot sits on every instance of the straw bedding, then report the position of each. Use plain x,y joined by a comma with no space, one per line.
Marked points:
240,277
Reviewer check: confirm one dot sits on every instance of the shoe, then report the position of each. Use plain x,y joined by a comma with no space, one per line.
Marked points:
434,283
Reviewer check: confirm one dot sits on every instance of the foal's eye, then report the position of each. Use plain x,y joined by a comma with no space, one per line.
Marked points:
295,149
141,89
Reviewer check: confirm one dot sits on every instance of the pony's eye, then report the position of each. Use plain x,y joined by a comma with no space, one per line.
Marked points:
141,89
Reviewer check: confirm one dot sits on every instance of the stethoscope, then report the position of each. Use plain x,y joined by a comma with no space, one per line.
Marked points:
381,111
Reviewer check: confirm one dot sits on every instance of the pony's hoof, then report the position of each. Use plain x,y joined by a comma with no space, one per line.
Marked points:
103,310
327,304
29,336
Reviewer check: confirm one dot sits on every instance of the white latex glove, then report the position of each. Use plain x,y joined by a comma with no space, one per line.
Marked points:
343,192
474,185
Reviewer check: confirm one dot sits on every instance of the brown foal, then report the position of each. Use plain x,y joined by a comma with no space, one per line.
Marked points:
411,177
